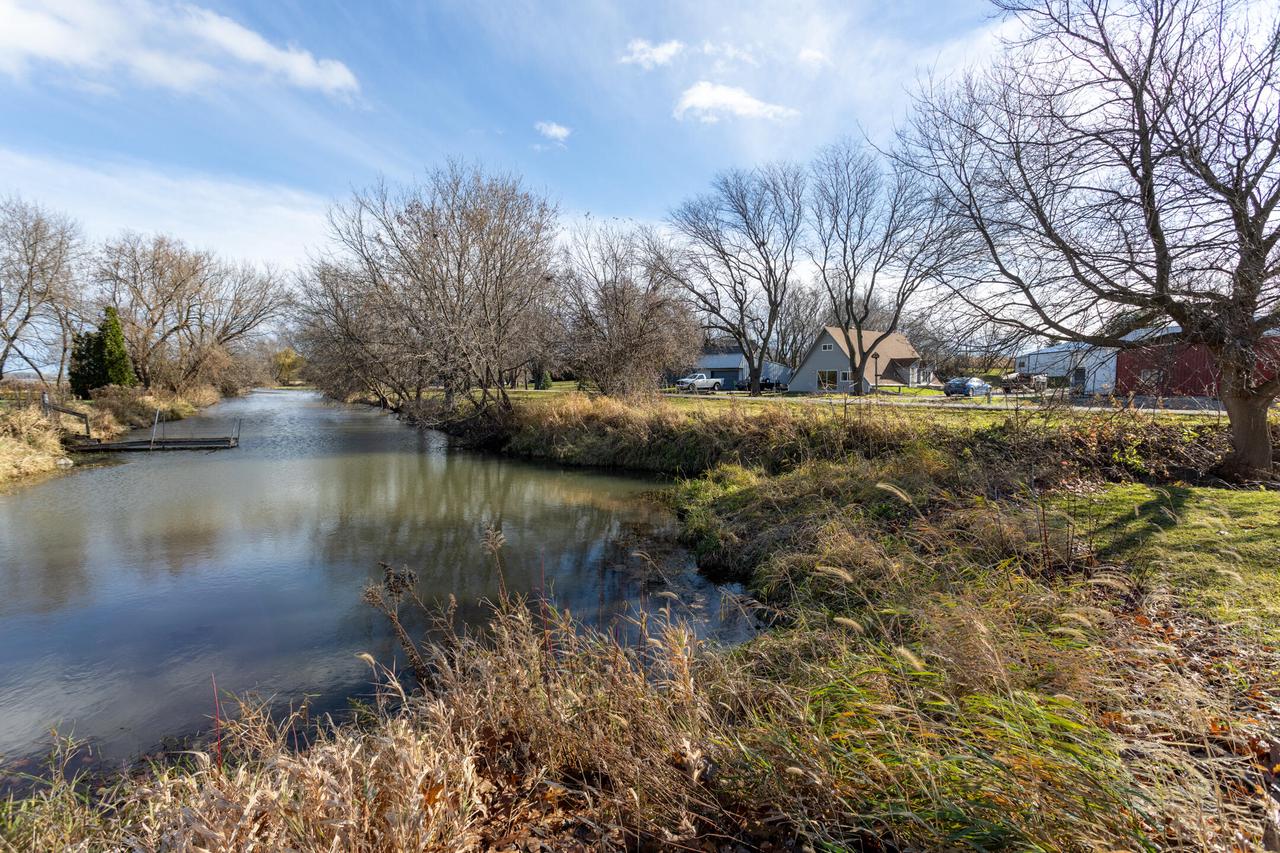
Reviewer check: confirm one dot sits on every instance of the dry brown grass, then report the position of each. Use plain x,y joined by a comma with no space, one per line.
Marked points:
1005,605
552,733
134,408
953,665
655,435
988,716
541,731
29,444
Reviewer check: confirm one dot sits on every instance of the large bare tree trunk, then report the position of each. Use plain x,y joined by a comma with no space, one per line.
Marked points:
858,375
754,370
1251,451
1247,408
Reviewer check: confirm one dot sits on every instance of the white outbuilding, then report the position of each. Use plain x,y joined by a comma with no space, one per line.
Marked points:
1087,369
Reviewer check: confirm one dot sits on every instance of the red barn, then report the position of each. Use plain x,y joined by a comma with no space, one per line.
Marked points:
1171,368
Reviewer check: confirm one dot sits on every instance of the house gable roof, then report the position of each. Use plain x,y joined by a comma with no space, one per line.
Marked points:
895,347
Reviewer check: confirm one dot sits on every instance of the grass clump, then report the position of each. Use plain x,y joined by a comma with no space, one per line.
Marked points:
135,408
1127,604
542,729
29,444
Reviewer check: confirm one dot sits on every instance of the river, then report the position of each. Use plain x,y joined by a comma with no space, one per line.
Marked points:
126,588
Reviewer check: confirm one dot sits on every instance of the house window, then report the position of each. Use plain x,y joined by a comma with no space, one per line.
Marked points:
827,347
844,376
826,379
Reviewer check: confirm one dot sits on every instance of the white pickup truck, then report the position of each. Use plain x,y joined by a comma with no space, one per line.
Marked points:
697,382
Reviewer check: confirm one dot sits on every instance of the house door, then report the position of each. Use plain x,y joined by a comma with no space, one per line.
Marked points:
1079,377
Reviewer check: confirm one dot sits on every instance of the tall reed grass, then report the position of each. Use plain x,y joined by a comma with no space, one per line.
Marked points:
134,408
544,732
656,436
29,444
950,664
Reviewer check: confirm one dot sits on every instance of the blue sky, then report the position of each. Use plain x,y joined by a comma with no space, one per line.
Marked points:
235,124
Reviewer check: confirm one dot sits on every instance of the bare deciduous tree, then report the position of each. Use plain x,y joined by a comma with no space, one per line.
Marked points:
736,259
876,240
348,345
804,312
238,300
955,343
626,323
181,309
155,284
38,286
435,284
1119,168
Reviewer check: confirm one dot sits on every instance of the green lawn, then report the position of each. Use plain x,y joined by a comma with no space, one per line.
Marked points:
1218,550
957,412
906,391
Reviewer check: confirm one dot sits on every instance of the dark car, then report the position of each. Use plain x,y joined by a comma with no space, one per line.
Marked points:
966,386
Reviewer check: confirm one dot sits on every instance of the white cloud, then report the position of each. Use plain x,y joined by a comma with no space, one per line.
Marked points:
553,131
727,55
240,219
295,65
177,47
709,102
649,55
811,57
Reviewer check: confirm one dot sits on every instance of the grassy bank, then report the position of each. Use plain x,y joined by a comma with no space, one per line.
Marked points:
117,410
32,445
29,445
674,438
982,636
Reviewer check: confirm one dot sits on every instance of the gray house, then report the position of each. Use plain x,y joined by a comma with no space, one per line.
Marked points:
733,372
826,366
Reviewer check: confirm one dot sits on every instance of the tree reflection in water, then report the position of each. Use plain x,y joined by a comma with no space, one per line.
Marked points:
124,588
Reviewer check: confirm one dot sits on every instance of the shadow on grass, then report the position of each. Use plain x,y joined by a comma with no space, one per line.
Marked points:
1128,532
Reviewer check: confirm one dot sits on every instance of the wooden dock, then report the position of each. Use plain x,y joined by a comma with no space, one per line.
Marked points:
158,441
147,444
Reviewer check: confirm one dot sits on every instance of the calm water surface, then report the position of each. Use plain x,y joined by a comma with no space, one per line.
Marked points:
124,589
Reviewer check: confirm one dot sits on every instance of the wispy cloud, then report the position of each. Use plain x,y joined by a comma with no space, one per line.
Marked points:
178,47
727,55
811,57
648,55
709,102
242,219
553,131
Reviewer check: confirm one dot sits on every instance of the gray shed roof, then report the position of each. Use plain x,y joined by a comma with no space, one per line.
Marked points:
722,361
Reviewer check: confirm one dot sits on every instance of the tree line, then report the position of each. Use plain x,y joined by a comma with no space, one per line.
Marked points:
465,280
135,309
1114,169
